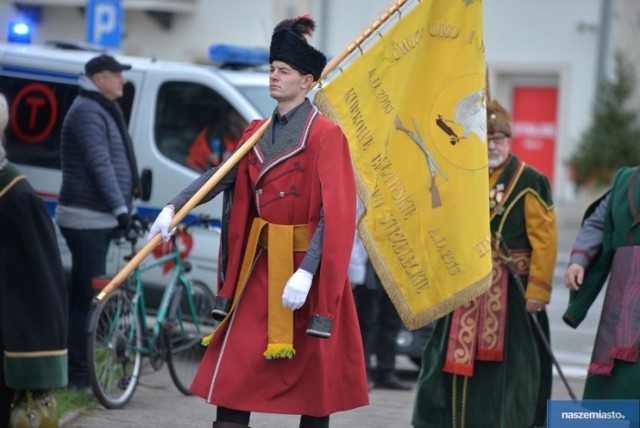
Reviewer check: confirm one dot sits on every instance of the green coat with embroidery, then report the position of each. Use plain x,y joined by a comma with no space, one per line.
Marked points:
624,381
511,393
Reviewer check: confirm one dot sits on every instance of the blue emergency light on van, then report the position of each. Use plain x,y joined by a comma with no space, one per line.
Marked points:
19,32
236,56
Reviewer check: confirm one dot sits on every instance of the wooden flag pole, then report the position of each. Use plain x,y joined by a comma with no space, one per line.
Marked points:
135,261
361,38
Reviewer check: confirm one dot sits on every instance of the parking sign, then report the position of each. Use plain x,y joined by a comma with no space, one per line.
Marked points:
104,23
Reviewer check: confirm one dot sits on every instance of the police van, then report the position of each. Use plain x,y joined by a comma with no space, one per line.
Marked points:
168,106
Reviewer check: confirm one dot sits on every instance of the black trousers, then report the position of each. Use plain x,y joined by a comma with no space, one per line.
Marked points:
88,257
241,417
379,326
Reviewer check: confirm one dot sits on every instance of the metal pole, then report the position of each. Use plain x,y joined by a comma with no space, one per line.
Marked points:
534,318
324,18
603,47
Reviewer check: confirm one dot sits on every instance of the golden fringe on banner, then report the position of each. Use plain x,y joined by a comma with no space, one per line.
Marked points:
414,321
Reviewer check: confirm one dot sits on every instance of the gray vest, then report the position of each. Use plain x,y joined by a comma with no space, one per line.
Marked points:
289,137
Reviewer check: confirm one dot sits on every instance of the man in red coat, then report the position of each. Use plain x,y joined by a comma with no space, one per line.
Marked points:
289,340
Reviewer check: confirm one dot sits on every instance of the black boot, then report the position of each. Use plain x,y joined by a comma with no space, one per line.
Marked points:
314,421
219,424
392,382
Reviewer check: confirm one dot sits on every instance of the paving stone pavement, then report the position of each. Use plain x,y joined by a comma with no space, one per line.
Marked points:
157,403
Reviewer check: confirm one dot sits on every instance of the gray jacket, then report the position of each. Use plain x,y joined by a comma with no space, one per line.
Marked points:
97,183
589,239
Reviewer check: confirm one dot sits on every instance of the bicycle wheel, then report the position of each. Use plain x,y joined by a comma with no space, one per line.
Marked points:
114,344
189,321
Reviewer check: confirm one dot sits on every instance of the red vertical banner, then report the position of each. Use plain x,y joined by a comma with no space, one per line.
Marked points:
534,126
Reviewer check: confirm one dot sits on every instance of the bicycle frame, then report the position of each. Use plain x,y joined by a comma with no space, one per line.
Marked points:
120,336
177,277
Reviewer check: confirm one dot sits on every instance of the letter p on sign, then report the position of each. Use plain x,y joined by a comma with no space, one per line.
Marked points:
104,23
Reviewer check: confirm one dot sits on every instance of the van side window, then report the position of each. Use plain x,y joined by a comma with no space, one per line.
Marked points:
37,110
195,126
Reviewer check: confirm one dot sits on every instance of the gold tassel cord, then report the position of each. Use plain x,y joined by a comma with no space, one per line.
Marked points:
454,388
463,409
206,339
279,350
454,401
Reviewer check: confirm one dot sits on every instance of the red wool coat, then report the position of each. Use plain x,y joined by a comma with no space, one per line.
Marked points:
325,375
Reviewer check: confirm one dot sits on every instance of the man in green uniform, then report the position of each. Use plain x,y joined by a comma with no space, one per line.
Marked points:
608,246
485,365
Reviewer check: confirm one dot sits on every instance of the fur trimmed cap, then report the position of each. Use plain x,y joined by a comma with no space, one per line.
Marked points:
289,44
498,119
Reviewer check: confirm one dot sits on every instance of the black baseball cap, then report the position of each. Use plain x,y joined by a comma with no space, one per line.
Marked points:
104,62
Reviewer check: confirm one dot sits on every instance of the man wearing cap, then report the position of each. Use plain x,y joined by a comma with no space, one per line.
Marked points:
289,341
99,181
486,365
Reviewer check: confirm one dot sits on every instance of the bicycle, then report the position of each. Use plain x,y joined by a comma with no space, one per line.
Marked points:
120,331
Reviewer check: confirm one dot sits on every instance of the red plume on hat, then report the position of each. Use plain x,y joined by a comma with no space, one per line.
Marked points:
289,44
302,25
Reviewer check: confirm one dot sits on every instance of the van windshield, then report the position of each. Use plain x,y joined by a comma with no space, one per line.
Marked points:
194,125
259,96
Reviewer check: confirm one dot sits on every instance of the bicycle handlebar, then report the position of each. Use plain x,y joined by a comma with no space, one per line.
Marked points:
139,226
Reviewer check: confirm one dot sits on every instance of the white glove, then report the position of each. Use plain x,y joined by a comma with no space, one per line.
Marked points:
296,290
162,224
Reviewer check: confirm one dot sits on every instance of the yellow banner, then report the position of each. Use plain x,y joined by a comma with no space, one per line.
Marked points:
413,108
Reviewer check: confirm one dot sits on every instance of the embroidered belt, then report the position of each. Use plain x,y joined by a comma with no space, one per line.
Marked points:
477,327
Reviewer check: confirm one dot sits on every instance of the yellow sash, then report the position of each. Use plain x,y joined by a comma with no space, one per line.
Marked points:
281,241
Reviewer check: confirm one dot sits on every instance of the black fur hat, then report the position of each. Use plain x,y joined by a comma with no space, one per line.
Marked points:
289,44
